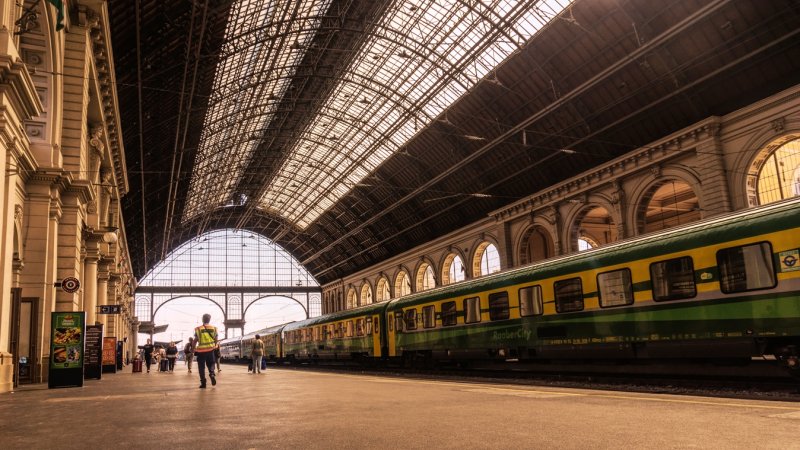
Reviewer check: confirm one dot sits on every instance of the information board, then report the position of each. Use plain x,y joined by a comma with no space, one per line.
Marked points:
110,354
66,348
93,352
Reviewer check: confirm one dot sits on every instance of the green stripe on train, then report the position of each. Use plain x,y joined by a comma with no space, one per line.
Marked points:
757,317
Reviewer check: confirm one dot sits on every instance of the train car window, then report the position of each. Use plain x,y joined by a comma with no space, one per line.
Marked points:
746,268
449,314
472,310
359,327
530,301
410,319
569,295
429,316
375,326
673,279
339,330
615,288
398,321
349,328
368,321
498,306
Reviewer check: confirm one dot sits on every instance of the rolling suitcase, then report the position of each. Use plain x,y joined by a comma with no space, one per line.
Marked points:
164,365
137,365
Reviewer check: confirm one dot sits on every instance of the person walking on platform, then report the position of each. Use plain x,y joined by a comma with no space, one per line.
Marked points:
205,337
188,352
148,354
172,356
257,353
218,358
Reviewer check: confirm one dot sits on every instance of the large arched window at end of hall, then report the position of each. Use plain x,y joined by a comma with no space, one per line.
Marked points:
426,279
486,260
453,269
382,292
668,204
536,245
778,172
351,298
593,227
366,295
402,284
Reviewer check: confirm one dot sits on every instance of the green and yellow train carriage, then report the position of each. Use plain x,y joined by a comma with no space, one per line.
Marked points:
727,287
347,335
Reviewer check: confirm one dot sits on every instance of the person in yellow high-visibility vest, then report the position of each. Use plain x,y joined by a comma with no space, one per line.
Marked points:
205,342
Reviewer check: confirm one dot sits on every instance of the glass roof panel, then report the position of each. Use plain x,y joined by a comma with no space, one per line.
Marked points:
422,56
264,42
419,58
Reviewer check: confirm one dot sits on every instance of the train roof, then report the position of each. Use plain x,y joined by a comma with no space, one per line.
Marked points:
727,227
374,308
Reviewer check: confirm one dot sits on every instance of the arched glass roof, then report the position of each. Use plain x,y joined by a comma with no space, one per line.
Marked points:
229,258
416,60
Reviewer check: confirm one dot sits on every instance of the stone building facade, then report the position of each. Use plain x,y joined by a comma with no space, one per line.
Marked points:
712,167
64,174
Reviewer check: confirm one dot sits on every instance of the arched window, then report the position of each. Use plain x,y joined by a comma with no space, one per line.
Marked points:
382,291
426,279
670,204
486,260
586,243
351,298
366,295
595,227
779,175
536,245
402,284
453,269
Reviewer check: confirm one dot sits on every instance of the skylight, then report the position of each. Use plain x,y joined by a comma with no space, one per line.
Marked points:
264,43
416,60
422,56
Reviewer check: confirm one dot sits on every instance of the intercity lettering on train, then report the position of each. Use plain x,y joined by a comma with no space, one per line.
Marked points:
511,334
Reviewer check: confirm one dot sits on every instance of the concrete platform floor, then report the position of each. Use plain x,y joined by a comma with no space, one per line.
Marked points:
296,409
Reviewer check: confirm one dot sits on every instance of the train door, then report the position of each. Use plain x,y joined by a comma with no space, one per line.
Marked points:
376,337
390,333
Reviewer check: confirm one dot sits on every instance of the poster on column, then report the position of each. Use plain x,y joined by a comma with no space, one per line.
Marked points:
66,349
109,355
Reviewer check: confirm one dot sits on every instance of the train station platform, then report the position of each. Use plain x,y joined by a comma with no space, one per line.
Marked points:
286,408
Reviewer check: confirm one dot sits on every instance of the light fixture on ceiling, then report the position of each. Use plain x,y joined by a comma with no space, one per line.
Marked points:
472,137
404,54
295,45
364,101
568,151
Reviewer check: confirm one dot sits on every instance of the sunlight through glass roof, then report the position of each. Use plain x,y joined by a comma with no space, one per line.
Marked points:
417,60
262,50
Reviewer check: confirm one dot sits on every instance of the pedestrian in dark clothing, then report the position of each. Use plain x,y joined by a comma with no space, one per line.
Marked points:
188,351
172,356
148,354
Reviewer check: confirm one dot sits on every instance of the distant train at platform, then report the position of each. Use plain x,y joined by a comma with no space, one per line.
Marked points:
725,288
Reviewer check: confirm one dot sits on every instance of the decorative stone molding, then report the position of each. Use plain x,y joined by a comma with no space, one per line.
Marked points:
18,212
778,125
101,49
666,149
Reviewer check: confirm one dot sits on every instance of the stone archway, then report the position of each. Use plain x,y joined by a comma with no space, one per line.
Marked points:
665,204
536,244
593,225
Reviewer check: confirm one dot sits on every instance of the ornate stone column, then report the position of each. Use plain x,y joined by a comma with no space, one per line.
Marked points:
90,284
102,292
